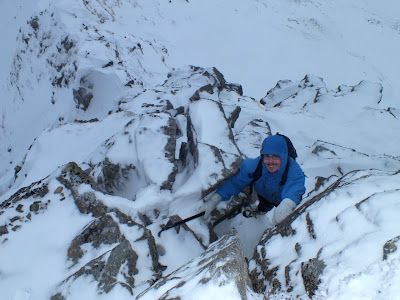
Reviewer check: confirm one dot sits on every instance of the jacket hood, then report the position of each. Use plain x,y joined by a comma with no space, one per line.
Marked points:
276,145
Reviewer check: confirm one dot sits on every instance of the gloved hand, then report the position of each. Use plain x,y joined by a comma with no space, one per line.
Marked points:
210,202
283,210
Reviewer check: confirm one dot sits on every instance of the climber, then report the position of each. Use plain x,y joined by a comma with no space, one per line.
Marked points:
275,177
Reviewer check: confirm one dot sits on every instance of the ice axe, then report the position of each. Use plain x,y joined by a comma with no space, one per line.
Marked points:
169,226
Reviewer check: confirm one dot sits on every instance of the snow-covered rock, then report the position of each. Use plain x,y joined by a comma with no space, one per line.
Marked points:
105,244
221,271
107,135
71,62
333,244
335,130
148,162
153,156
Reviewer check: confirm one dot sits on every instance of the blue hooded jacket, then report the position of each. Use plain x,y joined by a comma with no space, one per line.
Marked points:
268,185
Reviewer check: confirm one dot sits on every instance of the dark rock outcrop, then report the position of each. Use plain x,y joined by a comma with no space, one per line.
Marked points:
390,247
311,272
108,268
112,176
108,229
101,231
84,94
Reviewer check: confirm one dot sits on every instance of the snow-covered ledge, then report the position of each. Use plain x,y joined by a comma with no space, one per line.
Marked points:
219,273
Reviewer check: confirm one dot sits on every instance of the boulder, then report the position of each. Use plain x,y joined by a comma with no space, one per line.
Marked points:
220,271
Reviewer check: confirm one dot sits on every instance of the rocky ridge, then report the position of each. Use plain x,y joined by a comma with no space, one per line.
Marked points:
330,239
161,145
116,238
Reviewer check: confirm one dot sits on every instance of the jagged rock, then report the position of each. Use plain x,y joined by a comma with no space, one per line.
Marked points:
311,272
284,90
3,229
28,196
234,116
221,264
16,218
82,98
151,139
112,176
207,88
107,230
34,207
264,274
145,219
17,168
72,176
46,38
312,91
34,22
182,128
67,43
169,120
80,51
16,227
88,203
312,81
53,53
226,153
342,160
101,231
37,189
109,269
58,190
320,148
171,132
320,181
84,94
295,273
390,247
237,88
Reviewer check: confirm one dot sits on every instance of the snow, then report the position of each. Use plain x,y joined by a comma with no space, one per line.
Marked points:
266,41
208,291
254,43
243,227
37,251
350,226
45,156
203,114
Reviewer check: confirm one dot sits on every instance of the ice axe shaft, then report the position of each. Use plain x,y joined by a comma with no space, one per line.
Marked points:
166,227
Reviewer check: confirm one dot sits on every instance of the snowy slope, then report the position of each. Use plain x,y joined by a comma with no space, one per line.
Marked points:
339,246
255,43
106,85
60,63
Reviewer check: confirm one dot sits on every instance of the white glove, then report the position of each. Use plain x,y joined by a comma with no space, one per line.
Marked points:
210,202
283,210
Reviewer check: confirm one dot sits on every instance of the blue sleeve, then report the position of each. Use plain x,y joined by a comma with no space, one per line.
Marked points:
239,181
294,187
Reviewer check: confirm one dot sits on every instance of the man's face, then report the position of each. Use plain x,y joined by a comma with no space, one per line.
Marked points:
272,162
